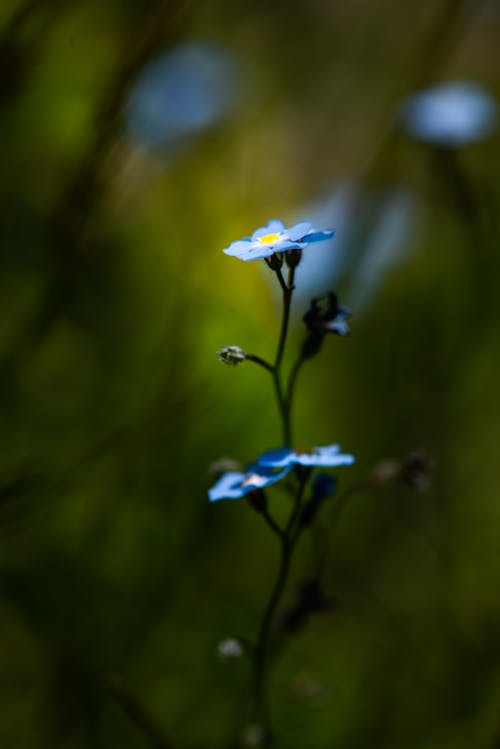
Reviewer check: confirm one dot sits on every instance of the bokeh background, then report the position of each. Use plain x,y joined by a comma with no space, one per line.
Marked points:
137,139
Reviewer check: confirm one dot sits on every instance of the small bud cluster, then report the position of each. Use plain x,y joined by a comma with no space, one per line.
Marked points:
231,355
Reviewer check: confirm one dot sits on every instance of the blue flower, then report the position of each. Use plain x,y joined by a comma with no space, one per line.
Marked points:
450,114
234,484
275,237
324,457
325,315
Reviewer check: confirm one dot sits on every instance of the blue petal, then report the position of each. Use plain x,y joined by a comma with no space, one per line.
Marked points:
273,227
298,232
277,458
338,326
229,486
275,476
255,251
318,236
238,247
326,457
287,244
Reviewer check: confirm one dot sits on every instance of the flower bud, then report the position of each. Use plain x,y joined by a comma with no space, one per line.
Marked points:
257,500
275,261
311,345
231,355
293,257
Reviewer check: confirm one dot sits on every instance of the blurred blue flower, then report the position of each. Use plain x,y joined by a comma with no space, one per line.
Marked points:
235,484
323,486
324,457
327,316
181,93
275,237
450,114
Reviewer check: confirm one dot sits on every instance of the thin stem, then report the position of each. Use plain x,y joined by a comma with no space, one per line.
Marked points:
288,541
292,380
284,413
340,504
261,362
272,523
261,648
280,396
136,711
287,300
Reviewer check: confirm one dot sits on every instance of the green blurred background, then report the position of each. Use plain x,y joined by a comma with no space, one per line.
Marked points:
118,579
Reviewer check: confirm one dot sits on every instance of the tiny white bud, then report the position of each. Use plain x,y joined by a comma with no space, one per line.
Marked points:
231,355
231,647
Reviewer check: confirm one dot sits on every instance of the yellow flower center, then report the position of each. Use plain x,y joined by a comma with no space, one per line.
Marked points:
269,238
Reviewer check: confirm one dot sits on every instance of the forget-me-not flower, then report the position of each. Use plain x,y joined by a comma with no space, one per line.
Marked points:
325,315
320,457
275,237
236,484
450,114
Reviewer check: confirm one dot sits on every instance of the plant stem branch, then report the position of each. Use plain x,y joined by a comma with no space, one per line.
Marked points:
280,396
289,539
136,711
261,362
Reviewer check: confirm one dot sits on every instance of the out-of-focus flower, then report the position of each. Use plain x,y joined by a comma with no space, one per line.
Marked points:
230,648
324,457
236,484
224,465
180,94
275,237
414,471
310,688
231,355
255,735
450,114
325,315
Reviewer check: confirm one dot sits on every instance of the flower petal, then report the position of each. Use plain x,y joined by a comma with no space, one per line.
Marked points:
299,231
325,457
238,247
338,326
229,486
318,236
277,458
275,226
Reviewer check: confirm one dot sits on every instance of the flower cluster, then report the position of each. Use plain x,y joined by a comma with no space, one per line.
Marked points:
273,465
281,248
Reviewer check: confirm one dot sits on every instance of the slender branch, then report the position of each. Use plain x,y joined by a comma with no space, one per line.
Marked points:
261,362
289,539
340,504
287,302
261,648
136,711
292,380
272,523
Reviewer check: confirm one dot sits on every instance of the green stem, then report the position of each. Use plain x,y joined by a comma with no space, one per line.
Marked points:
136,711
261,648
280,396
290,390
261,362
289,539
